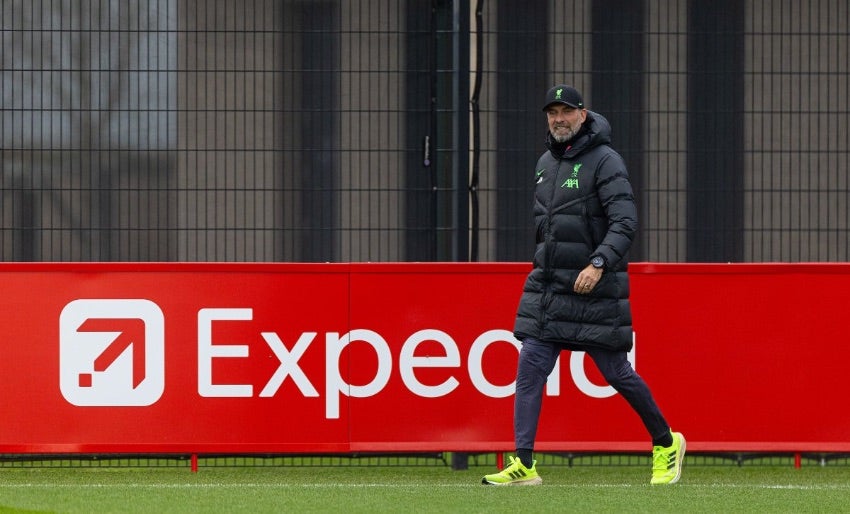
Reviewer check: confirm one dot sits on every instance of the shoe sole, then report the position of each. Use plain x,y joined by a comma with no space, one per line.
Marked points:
530,481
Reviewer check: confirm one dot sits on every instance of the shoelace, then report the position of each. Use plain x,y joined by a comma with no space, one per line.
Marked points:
514,465
660,461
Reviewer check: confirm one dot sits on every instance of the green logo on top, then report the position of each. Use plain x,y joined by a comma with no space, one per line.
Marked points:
558,93
572,182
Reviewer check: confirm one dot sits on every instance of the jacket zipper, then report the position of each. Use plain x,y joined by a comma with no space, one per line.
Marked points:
550,249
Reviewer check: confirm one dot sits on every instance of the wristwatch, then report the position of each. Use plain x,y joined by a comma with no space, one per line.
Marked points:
598,262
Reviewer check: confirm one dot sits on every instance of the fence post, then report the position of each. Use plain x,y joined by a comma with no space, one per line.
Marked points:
460,461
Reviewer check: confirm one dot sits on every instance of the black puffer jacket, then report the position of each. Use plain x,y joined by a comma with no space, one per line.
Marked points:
583,206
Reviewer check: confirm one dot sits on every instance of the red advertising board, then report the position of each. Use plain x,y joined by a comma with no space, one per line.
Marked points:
747,356
203,358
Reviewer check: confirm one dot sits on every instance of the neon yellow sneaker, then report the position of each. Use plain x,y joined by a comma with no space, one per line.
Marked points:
667,461
515,474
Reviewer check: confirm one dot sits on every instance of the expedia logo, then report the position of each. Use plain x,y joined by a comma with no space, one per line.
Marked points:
112,352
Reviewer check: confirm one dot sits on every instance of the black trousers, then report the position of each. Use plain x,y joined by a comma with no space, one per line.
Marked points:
536,361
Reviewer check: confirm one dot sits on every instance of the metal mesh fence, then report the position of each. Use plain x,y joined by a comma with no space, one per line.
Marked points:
377,130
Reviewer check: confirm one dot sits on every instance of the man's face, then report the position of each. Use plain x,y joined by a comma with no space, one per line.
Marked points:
564,121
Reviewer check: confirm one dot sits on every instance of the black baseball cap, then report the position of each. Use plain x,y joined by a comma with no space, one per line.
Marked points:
563,94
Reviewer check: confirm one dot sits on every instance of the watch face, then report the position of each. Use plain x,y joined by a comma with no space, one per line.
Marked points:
597,262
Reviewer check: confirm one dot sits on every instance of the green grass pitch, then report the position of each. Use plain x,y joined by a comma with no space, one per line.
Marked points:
378,489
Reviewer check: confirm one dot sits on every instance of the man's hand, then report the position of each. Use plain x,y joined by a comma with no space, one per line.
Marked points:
587,279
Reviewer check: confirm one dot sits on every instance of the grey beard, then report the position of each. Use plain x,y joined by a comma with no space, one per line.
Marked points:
563,139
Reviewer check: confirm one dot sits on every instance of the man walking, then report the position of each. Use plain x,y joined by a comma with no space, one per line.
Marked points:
576,296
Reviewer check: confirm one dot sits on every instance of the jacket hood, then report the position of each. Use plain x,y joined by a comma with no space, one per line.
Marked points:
594,131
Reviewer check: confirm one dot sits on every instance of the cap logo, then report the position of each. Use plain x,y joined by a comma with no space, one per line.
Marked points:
558,93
